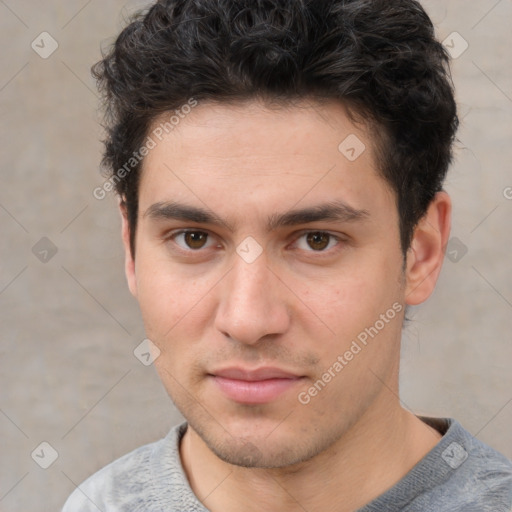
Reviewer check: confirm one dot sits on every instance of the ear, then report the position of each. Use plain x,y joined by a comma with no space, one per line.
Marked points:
426,254
129,263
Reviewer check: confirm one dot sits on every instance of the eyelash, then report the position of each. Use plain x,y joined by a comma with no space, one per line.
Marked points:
171,238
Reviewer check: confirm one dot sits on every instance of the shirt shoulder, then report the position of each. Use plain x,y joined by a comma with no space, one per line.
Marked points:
150,478
115,486
480,477
460,474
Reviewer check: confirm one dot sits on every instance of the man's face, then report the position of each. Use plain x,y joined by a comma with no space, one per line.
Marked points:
252,307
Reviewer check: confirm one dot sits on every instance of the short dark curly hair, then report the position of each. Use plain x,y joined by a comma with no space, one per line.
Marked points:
380,58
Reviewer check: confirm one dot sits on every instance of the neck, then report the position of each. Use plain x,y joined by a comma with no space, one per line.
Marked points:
377,451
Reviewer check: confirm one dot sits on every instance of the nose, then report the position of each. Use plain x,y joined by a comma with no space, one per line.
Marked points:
253,302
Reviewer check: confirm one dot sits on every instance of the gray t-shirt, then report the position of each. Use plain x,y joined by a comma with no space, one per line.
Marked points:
460,474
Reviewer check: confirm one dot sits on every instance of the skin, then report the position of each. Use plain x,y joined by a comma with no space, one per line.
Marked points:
298,306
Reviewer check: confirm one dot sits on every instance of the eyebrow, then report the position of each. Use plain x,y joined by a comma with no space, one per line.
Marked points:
333,211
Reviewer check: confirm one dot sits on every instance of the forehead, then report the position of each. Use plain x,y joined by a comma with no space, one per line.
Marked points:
261,156
251,127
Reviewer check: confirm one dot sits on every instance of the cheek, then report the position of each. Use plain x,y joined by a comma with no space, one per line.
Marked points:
350,305
170,312
174,306
163,300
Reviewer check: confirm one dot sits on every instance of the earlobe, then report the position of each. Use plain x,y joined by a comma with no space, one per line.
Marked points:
426,253
129,263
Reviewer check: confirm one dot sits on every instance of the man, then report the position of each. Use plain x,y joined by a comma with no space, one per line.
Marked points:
280,165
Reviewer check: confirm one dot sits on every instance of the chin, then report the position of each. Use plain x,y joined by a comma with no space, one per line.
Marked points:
257,451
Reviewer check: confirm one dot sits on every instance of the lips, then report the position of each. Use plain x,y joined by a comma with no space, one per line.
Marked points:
257,386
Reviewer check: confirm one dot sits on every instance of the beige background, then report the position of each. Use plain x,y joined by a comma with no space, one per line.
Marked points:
68,326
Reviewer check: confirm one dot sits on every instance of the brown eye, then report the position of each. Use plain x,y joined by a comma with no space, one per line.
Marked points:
191,240
195,239
318,241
